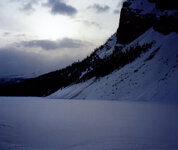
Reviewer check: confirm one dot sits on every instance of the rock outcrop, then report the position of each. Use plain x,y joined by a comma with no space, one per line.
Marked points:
137,16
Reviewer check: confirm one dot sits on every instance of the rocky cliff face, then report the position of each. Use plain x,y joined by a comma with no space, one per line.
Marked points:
137,16
165,4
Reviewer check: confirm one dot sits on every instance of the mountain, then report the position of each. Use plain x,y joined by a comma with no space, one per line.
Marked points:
150,77
10,81
137,16
139,62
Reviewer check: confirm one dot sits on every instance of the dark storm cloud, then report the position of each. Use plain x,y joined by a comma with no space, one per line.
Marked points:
59,7
53,45
17,62
14,61
99,9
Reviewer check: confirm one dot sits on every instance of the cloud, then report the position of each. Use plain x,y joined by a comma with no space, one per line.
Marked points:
99,9
116,11
53,45
14,61
6,33
20,35
118,8
59,7
27,5
91,23
44,44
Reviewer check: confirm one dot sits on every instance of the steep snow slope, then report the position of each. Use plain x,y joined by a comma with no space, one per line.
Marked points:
45,124
107,48
151,77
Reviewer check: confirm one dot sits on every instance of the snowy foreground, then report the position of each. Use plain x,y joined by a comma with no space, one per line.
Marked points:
46,124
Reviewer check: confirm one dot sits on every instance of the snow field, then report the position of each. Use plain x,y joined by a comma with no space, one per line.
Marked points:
47,124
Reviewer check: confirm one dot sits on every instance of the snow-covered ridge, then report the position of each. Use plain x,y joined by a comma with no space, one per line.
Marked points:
143,5
146,7
137,16
152,77
108,48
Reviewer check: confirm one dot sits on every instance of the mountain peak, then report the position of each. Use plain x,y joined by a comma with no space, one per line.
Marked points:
137,16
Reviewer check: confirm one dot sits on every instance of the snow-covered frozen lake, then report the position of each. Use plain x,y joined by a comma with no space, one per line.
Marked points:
46,124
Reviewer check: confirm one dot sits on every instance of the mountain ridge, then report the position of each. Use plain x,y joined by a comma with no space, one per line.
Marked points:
150,77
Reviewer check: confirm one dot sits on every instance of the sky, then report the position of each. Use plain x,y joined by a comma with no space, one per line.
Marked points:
38,36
